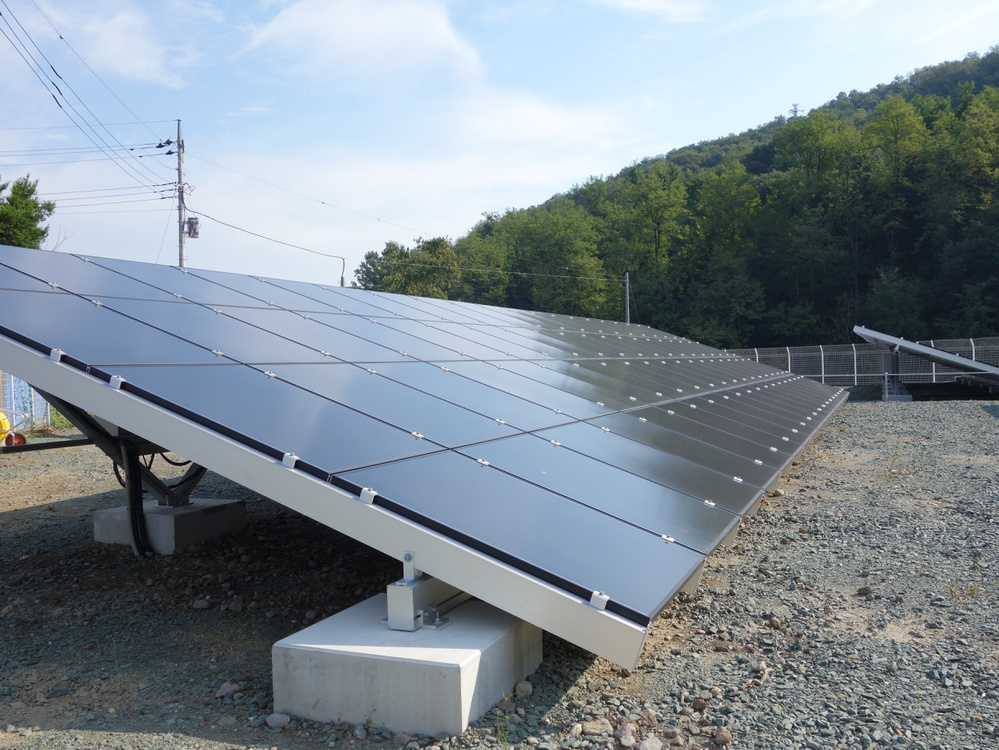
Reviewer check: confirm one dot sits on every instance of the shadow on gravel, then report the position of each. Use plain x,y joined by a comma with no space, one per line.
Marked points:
992,409
96,640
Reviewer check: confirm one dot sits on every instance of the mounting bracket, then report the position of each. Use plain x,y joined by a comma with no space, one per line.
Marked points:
418,600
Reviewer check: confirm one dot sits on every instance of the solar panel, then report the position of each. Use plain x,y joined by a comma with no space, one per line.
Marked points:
572,472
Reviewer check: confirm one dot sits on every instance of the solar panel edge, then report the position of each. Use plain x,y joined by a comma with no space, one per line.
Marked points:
605,633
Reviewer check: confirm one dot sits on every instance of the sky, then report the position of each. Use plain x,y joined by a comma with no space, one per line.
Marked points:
340,125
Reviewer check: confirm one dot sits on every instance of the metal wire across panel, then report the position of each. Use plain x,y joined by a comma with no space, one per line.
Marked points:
573,472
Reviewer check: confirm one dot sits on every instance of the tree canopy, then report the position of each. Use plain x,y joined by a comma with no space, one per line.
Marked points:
878,208
22,213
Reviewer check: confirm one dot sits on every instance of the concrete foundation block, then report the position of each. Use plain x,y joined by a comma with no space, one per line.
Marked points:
351,667
170,529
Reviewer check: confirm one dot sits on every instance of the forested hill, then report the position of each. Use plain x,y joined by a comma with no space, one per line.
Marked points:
878,208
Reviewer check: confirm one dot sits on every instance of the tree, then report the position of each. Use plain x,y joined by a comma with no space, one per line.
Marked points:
21,213
427,270
553,251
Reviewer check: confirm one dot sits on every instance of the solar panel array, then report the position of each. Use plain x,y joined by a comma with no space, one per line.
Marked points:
586,455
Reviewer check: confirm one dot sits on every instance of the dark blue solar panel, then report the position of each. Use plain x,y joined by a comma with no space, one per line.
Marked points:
593,455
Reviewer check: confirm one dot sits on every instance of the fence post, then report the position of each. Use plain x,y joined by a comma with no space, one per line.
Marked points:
934,364
788,358
757,353
855,379
973,359
822,361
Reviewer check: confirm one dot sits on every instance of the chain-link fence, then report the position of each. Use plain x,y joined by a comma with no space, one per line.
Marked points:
835,364
864,364
25,409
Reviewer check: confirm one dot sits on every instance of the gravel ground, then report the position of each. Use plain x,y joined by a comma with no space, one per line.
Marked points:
856,610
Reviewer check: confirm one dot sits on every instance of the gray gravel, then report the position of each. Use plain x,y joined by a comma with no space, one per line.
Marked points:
856,610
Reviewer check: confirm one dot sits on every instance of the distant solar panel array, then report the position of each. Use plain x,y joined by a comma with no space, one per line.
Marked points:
573,472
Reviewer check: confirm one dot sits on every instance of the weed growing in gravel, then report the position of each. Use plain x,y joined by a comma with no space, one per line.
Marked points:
503,723
898,468
960,590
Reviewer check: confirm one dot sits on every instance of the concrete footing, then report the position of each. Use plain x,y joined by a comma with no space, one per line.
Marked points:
352,667
170,529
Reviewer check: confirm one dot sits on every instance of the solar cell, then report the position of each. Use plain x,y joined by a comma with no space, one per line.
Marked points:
574,472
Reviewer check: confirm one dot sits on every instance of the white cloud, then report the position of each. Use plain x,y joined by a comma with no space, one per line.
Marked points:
124,39
668,10
833,10
124,45
366,37
517,118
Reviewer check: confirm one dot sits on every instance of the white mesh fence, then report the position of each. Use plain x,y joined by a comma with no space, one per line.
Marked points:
23,406
835,364
865,364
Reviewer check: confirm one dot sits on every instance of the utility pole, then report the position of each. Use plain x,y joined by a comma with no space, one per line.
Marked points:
181,209
627,298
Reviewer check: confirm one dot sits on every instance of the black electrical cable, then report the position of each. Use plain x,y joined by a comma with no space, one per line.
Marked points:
133,502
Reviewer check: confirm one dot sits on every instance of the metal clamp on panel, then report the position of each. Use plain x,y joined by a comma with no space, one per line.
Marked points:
367,495
289,460
116,381
598,600
56,355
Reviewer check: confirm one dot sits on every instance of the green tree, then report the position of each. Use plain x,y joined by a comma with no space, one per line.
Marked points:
22,213
552,252
725,300
898,136
895,305
427,270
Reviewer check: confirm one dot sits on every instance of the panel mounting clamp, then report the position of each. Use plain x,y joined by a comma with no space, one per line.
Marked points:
289,460
598,600
116,381
56,355
367,495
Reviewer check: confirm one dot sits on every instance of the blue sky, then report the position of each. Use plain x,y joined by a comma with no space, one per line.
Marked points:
340,125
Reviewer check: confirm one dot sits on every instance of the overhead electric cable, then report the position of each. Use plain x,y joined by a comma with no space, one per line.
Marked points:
118,203
270,239
163,194
118,211
67,127
63,161
47,194
110,90
63,150
42,75
499,270
308,197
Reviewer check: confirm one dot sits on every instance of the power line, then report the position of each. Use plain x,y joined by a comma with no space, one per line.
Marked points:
119,211
110,90
509,273
309,197
170,185
73,127
271,239
72,149
39,70
65,161
162,194
118,203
